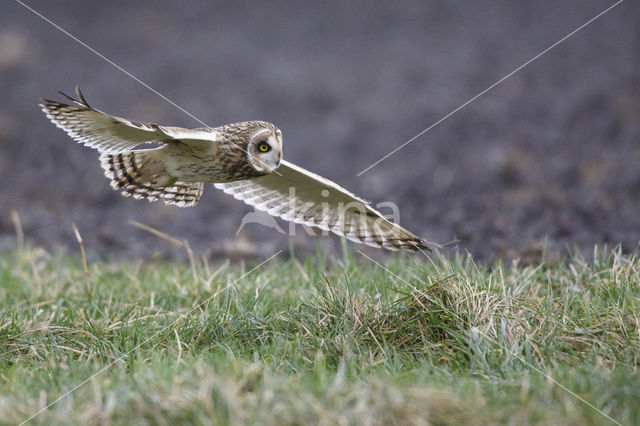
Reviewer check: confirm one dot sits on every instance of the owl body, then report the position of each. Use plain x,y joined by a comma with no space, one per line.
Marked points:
217,162
226,157
242,159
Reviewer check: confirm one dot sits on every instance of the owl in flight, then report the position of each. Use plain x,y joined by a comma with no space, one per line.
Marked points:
242,159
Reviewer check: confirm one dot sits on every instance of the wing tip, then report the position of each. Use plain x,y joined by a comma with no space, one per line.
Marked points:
446,246
80,100
421,246
52,108
81,97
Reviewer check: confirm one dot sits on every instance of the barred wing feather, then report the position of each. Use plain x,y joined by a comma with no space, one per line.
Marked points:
300,196
111,134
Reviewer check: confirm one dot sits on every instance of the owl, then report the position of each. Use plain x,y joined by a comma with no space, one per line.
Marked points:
242,159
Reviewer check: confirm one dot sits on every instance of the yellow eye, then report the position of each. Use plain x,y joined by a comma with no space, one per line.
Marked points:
264,147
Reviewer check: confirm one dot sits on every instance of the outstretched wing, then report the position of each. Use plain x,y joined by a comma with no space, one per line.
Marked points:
298,195
111,134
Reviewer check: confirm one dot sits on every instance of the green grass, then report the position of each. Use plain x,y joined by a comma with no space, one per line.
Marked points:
331,341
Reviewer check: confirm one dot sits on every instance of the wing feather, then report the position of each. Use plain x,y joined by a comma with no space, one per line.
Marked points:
300,196
111,134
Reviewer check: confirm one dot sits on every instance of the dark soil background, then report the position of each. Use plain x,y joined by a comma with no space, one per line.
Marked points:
552,153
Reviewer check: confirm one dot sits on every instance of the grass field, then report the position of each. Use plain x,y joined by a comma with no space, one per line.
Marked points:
329,341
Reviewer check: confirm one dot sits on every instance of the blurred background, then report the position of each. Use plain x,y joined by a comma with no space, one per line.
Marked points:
550,156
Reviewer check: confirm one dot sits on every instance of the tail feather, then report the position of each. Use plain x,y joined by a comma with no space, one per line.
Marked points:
139,174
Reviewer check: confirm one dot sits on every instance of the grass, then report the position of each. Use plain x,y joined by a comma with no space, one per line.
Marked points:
328,341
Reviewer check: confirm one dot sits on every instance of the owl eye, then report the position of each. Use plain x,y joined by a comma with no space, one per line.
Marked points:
264,147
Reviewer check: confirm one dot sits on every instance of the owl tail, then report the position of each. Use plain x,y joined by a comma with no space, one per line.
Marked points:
142,174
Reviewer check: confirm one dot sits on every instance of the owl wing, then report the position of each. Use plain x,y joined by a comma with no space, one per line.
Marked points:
298,195
110,134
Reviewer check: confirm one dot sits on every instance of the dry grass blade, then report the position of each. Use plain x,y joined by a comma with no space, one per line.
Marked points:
17,224
157,233
82,252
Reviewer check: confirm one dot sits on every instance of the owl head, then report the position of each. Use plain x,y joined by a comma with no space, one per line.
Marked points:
264,149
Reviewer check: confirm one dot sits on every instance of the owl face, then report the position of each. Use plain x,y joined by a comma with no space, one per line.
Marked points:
265,149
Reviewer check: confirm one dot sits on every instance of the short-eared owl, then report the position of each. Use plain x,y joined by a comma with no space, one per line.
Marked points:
242,159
